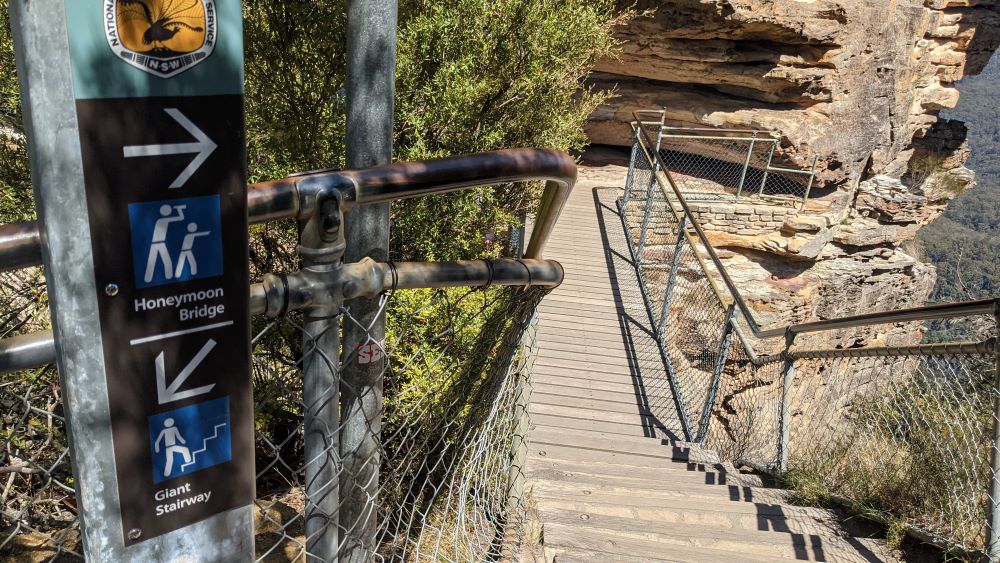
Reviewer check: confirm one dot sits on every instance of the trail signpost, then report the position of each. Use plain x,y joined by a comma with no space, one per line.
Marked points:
134,110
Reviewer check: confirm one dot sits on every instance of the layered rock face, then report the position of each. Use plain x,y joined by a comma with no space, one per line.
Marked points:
858,83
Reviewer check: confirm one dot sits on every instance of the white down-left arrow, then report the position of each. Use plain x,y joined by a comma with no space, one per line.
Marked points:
170,393
203,148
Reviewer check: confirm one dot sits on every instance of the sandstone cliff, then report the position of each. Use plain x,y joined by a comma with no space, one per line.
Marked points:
858,83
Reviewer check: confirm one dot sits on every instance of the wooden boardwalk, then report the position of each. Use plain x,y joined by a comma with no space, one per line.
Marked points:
608,474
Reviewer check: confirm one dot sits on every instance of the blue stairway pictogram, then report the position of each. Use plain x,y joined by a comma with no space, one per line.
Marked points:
204,446
175,435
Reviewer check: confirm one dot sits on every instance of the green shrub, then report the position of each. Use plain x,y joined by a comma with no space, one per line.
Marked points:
471,76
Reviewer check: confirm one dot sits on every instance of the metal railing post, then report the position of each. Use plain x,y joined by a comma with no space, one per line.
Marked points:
370,86
519,439
993,524
720,367
630,177
785,420
321,249
646,216
668,297
746,165
767,168
650,191
812,178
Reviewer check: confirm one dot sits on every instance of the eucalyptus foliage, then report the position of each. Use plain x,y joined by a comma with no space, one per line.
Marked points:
471,76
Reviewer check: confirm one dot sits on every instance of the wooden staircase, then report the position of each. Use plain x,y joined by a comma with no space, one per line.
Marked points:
608,475
608,497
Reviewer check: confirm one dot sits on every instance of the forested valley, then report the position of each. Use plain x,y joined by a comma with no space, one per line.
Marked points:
963,243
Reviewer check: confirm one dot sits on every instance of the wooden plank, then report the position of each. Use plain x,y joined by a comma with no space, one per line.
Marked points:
583,345
564,310
537,407
617,463
569,361
596,354
556,325
618,385
576,538
674,506
573,555
596,406
626,398
595,425
803,547
651,447
654,482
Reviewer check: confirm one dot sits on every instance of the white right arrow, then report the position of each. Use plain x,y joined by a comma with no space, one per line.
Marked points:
168,394
204,147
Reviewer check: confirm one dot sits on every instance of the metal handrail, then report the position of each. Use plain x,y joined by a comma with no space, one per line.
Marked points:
20,246
293,197
928,312
296,196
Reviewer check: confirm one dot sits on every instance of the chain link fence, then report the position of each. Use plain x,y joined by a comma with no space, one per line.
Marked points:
456,366
419,459
451,432
874,414
730,164
38,513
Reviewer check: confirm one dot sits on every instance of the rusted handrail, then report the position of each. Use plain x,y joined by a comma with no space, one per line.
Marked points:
292,197
296,196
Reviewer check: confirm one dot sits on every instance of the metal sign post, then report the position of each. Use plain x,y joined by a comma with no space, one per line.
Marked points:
134,114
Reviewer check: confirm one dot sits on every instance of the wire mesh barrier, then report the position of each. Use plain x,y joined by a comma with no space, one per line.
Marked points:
451,443
448,463
714,164
863,409
419,460
37,499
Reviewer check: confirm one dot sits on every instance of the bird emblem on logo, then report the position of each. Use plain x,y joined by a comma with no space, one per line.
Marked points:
163,37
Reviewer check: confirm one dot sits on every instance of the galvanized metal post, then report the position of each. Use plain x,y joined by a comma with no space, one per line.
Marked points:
41,38
720,367
746,165
767,168
519,440
321,248
630,177
993,525
650,191
785,420
371,71
39,30
672,280
812,178
646,216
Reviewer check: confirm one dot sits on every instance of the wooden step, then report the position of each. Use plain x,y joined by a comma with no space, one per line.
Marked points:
653,482
591,545
618,463
742,543
648,429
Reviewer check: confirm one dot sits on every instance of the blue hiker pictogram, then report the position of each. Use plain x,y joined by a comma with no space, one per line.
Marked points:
190,439
176,240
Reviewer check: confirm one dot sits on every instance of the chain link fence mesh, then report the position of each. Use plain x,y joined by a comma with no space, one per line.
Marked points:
38,513
725,165
456,380
905,436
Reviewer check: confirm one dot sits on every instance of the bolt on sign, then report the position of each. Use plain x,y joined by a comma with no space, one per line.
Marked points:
159,102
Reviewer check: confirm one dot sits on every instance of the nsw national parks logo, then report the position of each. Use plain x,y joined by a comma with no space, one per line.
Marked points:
162,37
